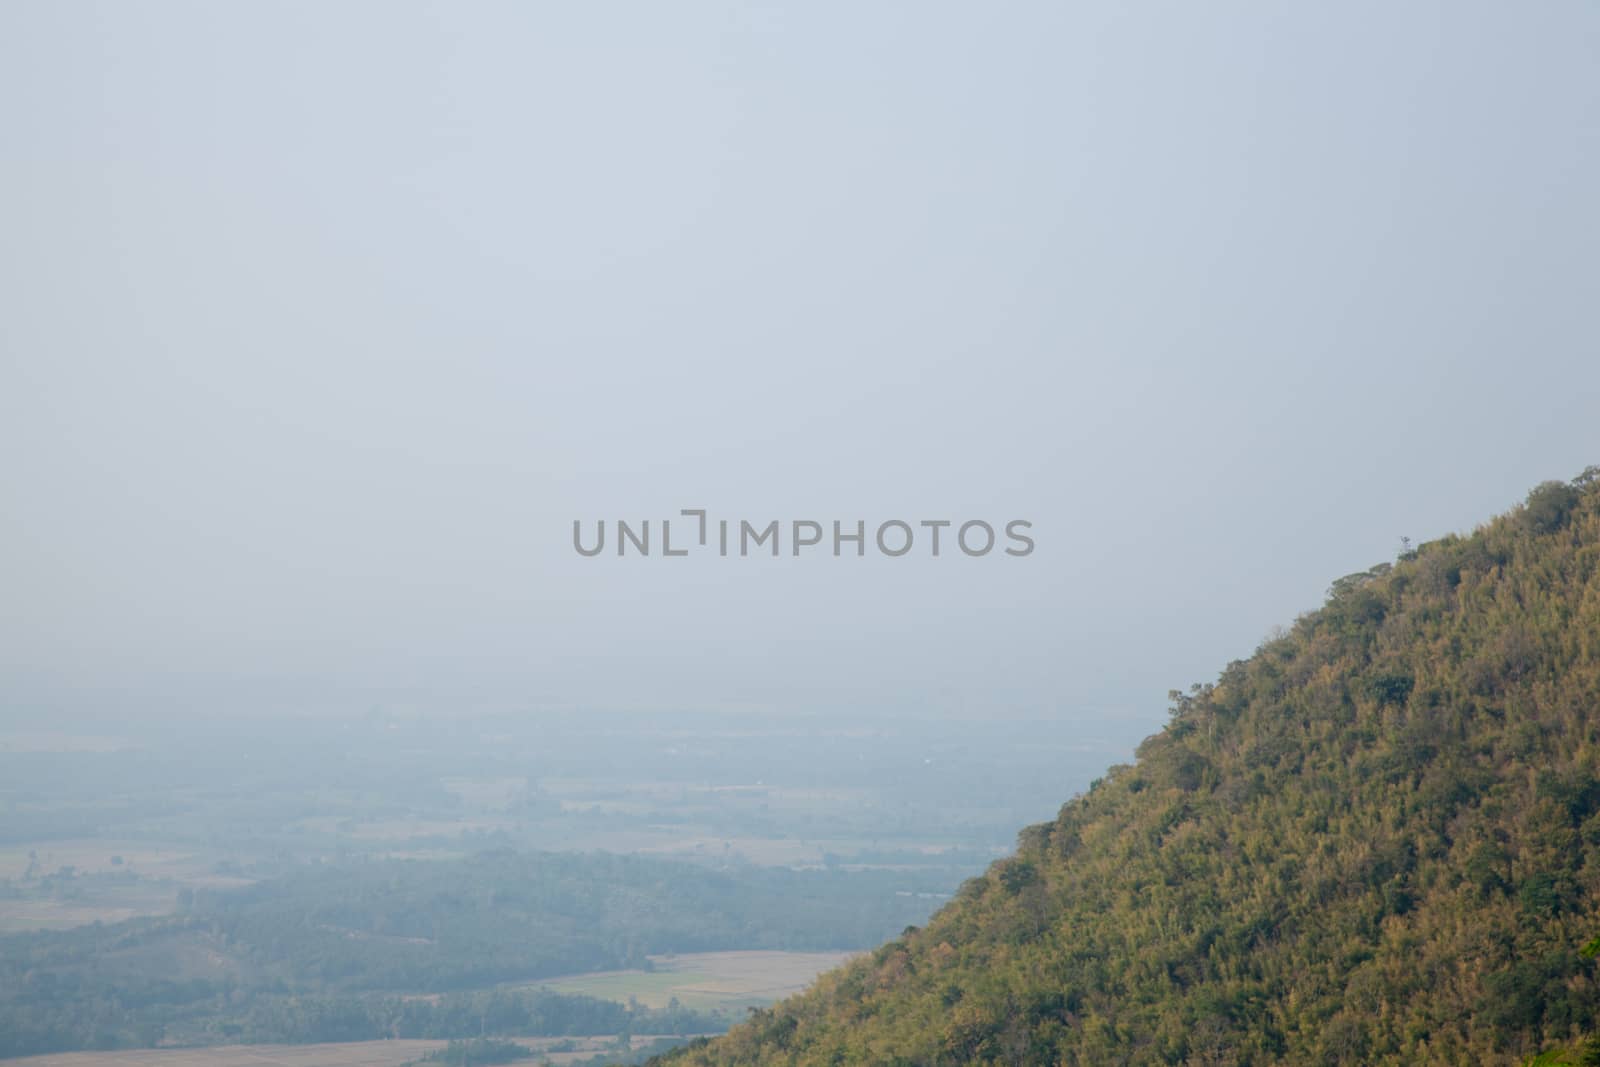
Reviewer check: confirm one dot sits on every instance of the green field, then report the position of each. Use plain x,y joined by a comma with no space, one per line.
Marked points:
706,981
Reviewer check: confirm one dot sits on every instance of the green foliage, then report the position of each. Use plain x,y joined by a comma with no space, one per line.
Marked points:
1549,505
1390,687
1377,841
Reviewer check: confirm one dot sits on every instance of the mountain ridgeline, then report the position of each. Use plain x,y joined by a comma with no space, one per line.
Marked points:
1377,840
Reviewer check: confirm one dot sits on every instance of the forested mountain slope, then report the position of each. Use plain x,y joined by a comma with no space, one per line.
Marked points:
1375,841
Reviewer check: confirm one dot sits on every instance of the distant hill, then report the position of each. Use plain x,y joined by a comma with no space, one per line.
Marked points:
1377,840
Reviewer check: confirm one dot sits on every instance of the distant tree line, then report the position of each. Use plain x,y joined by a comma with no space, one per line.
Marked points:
402,949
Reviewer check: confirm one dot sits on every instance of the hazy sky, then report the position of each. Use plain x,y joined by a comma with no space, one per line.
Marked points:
321,323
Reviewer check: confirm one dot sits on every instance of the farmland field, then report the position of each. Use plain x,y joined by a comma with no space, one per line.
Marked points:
231,864
340,1054
707,981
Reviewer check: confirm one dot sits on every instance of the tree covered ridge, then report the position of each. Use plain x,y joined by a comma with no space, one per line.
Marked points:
1377,840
